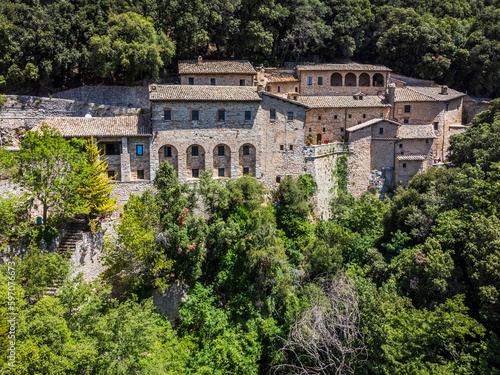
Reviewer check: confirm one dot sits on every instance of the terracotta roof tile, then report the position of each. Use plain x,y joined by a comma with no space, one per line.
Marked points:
203,93
271,78
370,123
97,126
216,67
344,67
344,101
424,94
416,132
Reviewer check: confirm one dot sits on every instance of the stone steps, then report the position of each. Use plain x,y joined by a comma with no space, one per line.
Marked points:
73,234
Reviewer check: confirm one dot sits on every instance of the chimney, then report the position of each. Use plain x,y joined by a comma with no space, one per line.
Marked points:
444,90
260,87
391,93
153,87
200,60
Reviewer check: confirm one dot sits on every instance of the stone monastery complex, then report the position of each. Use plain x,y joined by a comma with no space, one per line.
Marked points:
271,122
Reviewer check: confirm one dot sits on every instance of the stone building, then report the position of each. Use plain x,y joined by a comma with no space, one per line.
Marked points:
216,73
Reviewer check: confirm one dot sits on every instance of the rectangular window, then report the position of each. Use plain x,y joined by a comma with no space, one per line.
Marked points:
139,150
296,89
272,114
246,150
324,130
278,179
268,88
282,147
248,115
222,115
364,115
427,140
361,97
320,81
111,174
319,117
400,145
168,152
447,106
191,80
335,117
279,89
113,148
291,147
289,116
242,82
167,115
246,170
350,116
381,131
407,108
309,80
405,121
436,125
221,172
194,151
381,114
212,81
220,150
309,130
294,98
195,115
341,129
195,173
140,174
404,165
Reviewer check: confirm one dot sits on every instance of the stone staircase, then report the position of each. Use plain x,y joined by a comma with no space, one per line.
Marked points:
74,233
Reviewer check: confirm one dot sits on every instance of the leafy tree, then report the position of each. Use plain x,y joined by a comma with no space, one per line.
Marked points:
15,218
132,46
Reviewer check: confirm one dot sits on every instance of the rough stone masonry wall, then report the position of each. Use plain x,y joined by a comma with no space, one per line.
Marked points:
322,168
359,161
118,96
123,190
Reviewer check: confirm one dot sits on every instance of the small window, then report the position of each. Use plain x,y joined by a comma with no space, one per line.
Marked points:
364,115
436,125
195,173
167,152
246,150
194,151
427,140
341,129
319,117
220,150
248,115
167,115
278,179
404,165
350,116
405,121
447,106
361,97
279,89
335,117
296,89
272,114
195,115
407,108
222,115
212,81
324,130
191,80
309,130
113,148
268,88
242,82
294,98
140,174
381,114
289,116
309,80
221,172
111,174
400,145
381,131
139,150
320,81
402,152
291,147
318,138
282,147
246,170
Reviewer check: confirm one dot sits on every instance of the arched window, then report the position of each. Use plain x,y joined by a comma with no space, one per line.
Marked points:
350,79
364,80
378,80
336,79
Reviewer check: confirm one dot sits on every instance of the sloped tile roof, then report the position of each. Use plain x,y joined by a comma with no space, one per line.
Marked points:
216,67
296,102
344,67
411,157
370,123
344,101
425,94
407,131
271,78
203,93
97,126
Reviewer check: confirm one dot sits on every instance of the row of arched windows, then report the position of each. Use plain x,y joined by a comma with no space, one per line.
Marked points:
350,79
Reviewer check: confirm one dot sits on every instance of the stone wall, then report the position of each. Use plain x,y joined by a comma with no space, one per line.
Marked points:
327,89
123,190
473,106
86,258
283,88
406,169
360,161
118,96
220,79
168,302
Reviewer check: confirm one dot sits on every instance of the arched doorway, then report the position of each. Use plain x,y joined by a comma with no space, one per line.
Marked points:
350,79
364,80
222,161
336,79
248,157
378,80
195,161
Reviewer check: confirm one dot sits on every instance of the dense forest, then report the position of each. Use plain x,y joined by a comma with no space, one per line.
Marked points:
51,44
404,285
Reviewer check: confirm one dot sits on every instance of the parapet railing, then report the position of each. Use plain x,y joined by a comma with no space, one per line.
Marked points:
326,149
